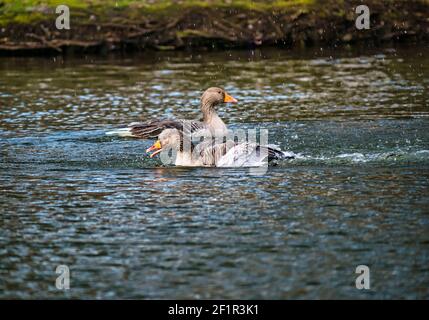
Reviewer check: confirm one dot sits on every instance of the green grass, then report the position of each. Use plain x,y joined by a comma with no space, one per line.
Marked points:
29,11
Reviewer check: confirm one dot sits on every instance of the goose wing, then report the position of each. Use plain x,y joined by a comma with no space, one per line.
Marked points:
151,129
250,155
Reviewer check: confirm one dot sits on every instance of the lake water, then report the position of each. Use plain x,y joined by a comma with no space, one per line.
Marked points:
129,227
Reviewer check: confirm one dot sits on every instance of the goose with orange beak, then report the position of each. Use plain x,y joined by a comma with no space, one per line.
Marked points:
227,154
211,122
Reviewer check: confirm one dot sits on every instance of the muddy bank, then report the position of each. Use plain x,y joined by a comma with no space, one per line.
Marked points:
134,28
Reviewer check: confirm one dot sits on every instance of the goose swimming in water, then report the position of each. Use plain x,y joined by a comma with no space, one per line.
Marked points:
227,154
211,121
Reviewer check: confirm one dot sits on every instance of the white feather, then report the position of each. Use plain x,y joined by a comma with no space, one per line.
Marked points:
243,155
122,132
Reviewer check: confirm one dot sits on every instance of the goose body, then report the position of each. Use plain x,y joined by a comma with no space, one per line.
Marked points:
211,123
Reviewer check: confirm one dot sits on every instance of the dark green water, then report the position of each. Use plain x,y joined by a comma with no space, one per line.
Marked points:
129,227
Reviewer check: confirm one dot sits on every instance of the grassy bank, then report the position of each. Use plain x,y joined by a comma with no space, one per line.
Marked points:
28,26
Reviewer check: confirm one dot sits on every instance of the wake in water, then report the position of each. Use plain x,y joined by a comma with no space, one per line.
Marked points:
239,156
392,157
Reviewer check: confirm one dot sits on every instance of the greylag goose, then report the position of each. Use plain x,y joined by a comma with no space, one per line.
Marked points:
211,121
227,154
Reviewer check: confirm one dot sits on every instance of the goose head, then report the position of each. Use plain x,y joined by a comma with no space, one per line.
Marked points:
168,139
214,96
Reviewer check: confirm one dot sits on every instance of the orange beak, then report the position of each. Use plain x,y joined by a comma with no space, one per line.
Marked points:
156,146
229,98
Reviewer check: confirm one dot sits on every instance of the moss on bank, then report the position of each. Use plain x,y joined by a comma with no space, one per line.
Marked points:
29,25
30,11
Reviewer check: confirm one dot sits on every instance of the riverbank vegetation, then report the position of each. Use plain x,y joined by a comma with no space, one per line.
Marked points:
28,26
